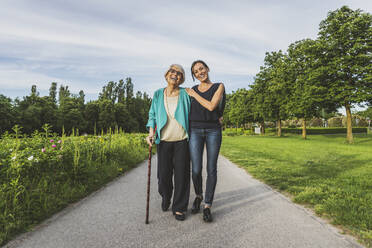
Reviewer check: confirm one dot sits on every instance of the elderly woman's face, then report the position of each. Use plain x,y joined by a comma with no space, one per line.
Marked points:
174,76
200,72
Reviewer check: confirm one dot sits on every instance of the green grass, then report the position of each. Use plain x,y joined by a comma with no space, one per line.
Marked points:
322,172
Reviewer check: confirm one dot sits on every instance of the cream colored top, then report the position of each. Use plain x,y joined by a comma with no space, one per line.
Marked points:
172,131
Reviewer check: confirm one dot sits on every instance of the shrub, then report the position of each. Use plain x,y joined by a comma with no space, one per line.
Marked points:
316,122
356,121
335,122
292,123
318,130
42,174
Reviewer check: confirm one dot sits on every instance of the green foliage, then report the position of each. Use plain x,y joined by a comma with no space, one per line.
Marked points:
314,77
322,171
116,106
366,113
270,87
344,38
345,43
7,114
335,122
42,174
241,107
316,122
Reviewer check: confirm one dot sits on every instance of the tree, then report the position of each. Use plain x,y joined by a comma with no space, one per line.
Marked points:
106,115
271,89
91,116
309,92
240,111
345,37
7,119
109,92
366,113
53,92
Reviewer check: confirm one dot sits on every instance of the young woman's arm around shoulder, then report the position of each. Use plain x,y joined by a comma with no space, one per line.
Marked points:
210,105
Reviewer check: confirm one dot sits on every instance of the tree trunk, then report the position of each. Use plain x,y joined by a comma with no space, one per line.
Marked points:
303,128
262,127
349,135
279,128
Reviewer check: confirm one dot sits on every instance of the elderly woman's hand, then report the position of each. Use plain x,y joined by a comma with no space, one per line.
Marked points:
190,92
150,140
220,120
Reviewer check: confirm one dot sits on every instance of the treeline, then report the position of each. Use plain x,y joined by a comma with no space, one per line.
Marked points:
312,77
116,107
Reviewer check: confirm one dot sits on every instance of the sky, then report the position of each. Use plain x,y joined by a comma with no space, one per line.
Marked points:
85,44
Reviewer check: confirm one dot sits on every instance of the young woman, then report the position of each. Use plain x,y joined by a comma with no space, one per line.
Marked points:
207,105
169,114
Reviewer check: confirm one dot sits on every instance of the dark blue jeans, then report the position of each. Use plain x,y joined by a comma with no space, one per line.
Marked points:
211,137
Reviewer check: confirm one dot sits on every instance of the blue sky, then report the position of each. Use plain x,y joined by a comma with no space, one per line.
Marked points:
85,44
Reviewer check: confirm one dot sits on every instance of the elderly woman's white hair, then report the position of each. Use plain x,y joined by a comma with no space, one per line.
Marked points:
178,68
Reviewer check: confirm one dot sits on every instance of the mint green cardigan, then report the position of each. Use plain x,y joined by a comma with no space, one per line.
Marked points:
158,114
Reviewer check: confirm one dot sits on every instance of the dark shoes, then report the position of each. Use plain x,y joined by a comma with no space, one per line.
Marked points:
196,205
165,204
207,215
180,217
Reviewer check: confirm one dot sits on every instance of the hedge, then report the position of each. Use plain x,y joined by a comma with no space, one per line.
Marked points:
324,130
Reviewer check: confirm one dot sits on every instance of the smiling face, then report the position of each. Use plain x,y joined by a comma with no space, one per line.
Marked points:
174,76
200,72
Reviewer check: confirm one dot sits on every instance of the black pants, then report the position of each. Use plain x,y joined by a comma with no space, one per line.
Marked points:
174,157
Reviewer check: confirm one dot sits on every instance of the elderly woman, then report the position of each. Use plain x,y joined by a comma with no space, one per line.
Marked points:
207,106
169,114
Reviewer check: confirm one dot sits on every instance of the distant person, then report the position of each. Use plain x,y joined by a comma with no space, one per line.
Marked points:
169,114
207,106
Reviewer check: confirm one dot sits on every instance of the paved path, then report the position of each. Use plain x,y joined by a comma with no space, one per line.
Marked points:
246,212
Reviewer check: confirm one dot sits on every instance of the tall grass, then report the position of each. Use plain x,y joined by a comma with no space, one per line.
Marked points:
40,175
323,172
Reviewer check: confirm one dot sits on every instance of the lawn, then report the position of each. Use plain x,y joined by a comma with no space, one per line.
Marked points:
322,172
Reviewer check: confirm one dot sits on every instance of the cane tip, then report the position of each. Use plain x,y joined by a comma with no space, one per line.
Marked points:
147,222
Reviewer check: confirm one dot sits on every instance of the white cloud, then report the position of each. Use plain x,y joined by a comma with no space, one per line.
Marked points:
87,43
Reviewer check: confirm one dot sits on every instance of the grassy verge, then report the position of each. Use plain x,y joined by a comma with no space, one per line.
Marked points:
40,175
322,172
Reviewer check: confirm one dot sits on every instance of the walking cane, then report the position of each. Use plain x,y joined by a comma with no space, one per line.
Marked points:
148,184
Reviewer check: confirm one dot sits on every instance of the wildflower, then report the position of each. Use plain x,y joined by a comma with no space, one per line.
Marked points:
59,156
59,141
10,150
14,158
43,150
36,160
53,145
51,141
30,158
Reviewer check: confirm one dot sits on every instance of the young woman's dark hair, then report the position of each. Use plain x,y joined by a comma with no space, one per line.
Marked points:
193,64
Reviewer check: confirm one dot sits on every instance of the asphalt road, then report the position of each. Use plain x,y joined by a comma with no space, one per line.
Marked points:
246,213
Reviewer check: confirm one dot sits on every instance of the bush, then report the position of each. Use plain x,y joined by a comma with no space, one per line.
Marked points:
316,122
356,121
324,130
292,123
270,124
42,174
335,122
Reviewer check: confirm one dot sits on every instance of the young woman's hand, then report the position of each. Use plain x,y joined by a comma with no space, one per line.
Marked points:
190,92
